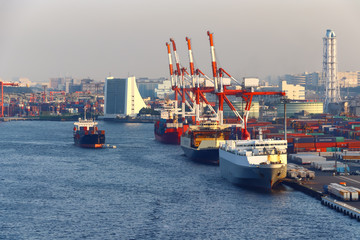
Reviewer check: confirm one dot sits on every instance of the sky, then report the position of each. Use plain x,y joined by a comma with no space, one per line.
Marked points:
41,39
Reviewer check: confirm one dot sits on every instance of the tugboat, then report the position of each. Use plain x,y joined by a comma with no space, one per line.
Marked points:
87,134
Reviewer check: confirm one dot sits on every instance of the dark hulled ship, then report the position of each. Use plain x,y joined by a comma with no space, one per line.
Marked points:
87,134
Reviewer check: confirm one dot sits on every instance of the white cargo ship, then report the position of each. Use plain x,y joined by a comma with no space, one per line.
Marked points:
254,163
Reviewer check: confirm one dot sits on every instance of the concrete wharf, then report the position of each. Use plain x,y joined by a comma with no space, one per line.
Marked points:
315,188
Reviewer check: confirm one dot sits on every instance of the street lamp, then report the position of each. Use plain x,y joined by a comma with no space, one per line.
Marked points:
285,100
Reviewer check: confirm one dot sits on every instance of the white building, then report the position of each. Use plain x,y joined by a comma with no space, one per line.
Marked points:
163,89
122,97
293,92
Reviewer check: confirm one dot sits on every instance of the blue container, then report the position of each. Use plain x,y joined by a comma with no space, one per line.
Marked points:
342,169
305,140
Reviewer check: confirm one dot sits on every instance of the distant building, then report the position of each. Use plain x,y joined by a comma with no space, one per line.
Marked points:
163,90
59,83
240,107
74,88
88,85
122,97
147,86
55,82
68,84
314,80
296,79
293,92
298,107
348,79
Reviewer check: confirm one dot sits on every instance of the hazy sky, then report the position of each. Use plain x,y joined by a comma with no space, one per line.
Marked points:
40,39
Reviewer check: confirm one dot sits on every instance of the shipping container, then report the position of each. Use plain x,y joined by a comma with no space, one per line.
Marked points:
325,144
325,139
315,134
304,140
342,169
338,191
304,145
331,149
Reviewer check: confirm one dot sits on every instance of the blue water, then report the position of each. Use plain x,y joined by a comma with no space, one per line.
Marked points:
50,189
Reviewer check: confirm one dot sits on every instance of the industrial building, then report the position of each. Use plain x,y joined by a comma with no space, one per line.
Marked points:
293,92
240,107
297,107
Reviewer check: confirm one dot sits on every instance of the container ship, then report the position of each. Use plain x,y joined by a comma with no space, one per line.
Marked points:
87,134
201,142
169,128
254,163
169,131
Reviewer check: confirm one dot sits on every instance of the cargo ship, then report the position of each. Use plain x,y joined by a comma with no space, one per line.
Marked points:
87,134
254,163
169,128
201,142
169,131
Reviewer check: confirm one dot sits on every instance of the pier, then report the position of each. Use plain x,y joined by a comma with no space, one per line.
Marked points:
9,119
315,188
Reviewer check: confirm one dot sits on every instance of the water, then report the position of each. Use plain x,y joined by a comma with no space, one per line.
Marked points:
51,189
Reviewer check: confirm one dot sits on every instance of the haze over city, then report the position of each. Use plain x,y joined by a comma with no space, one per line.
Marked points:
85,38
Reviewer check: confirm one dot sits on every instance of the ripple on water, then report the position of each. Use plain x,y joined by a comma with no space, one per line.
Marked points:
51,189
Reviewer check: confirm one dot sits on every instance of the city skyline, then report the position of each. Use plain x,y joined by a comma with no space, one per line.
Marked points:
42,39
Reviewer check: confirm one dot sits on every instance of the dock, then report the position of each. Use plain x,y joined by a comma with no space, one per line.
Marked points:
315,188
9,119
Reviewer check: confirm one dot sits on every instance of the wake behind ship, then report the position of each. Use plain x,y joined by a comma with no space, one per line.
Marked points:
87,134
254,163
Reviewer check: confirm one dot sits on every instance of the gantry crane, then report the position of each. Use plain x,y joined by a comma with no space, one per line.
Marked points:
2,84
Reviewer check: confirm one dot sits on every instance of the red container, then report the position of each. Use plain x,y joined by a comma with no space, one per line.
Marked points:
342,144
321,149
310,149
354,144
325,144
304,145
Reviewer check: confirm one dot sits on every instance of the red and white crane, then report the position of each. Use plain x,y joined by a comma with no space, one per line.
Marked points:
180,75
222,92
2,84
219,89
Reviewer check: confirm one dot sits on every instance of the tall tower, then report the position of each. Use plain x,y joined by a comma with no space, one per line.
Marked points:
332,91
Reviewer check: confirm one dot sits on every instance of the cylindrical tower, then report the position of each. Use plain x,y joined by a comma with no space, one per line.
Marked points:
332,90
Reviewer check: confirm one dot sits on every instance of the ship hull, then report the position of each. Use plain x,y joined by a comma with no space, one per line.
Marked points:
206,156
169,135
89,140
169,138
256,176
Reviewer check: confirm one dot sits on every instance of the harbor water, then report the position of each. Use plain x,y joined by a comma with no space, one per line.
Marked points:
142,189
